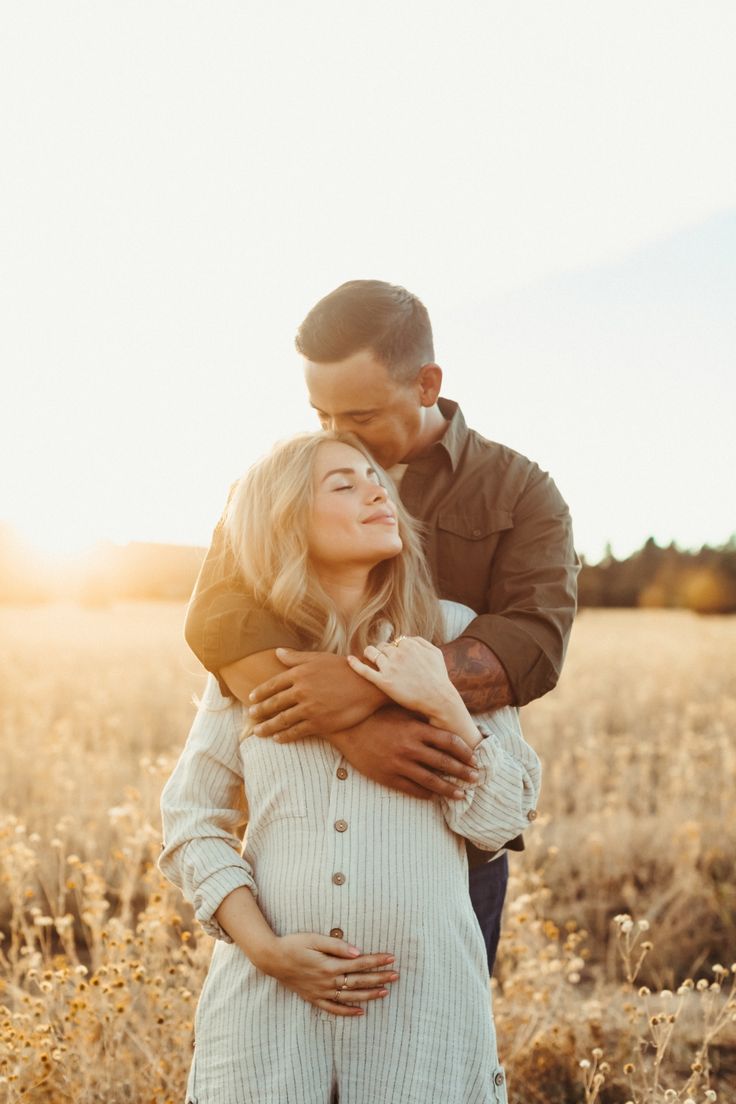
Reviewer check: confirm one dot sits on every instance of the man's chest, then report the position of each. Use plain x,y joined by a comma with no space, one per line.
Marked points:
464,527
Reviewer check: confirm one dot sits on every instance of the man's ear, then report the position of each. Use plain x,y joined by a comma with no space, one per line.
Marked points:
429,381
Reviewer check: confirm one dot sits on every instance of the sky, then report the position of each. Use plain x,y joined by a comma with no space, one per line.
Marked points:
183,181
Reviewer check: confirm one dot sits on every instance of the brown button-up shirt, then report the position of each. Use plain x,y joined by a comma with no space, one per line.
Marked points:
498,538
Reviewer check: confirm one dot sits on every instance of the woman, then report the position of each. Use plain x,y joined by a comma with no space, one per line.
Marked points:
349,963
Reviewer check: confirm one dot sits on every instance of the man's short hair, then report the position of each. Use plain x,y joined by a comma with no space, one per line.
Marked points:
369,314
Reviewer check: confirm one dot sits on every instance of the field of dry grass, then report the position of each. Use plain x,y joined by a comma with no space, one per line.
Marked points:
620,912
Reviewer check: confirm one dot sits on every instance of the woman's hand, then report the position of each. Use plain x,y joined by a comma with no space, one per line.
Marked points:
411,671
327,972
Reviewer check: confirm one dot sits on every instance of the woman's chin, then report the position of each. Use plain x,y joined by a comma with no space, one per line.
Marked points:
390,551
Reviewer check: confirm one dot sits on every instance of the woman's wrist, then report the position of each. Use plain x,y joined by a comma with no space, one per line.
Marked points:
263,952
452,714
242,919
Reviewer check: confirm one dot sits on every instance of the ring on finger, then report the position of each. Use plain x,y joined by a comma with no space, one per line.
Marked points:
337,994
345,982
396,641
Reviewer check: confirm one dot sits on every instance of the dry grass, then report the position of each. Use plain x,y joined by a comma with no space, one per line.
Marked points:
98,969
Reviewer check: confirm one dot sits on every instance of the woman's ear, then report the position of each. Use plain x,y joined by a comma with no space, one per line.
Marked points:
430,382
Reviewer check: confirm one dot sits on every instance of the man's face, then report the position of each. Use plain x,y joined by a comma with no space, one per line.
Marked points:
358,395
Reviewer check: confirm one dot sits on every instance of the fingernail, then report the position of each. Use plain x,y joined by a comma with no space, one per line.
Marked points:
474,776
383,993
458,794
353,951
280,651
252,696
257,730
390,958
394,977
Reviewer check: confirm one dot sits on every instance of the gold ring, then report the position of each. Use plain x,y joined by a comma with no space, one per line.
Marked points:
395,643
337,994
345,982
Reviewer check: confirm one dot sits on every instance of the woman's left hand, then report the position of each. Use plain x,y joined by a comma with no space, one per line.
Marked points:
411,671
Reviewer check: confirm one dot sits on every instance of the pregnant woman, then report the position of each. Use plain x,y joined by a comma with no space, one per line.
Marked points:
349,964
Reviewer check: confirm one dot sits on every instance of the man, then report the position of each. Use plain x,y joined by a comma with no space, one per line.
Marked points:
498,538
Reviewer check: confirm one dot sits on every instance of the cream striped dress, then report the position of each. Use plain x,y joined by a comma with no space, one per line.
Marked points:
403,890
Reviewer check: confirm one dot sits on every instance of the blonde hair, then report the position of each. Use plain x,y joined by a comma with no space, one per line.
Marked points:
267,522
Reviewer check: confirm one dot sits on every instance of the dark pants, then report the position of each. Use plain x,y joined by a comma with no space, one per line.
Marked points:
487,893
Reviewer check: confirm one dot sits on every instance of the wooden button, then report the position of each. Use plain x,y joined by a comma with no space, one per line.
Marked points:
337,933
342,773
341,826
338,879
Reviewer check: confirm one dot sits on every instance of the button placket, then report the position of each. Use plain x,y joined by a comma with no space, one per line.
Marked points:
339,828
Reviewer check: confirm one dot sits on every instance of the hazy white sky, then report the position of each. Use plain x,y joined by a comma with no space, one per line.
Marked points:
183,181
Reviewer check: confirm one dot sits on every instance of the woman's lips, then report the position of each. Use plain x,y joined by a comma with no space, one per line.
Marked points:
382,517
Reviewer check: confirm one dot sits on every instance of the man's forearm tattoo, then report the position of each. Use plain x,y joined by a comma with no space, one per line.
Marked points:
478,674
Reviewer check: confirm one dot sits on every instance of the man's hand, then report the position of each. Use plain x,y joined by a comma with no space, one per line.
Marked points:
399,751
317,695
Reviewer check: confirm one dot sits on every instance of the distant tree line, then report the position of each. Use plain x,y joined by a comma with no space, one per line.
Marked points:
653,577
664,578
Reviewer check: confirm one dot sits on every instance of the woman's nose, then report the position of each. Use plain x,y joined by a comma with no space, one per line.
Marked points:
378,493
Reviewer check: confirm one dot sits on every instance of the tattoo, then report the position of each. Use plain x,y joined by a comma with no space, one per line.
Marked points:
478,674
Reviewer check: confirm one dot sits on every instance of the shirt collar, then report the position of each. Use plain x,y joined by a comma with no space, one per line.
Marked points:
453,441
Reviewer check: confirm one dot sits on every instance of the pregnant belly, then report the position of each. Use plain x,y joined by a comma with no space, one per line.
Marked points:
379,888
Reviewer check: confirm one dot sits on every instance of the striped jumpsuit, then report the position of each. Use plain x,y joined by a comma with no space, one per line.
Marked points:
328,850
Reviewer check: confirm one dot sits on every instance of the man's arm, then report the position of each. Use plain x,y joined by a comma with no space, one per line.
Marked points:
391,746
478,674
223,621
514,651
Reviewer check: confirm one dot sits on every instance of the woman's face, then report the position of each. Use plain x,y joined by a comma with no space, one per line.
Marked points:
353,520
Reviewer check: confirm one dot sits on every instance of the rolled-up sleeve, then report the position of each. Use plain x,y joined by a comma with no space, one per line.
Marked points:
224,623
204,812
532,595
503,800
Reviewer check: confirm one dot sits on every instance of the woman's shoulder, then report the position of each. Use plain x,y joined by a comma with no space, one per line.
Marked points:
455,618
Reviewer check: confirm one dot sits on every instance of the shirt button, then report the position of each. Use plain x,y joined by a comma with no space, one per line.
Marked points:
341,826
342,773
337,933
476,532
498,1079
338,879
532,814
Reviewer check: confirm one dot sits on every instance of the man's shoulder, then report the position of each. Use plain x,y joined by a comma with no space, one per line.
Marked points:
492,476
496,454
508,471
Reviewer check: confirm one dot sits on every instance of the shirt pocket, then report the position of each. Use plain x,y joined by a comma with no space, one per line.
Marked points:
466,544
275,784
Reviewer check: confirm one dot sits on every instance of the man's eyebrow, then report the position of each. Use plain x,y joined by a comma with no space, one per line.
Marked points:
347,413
346,471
